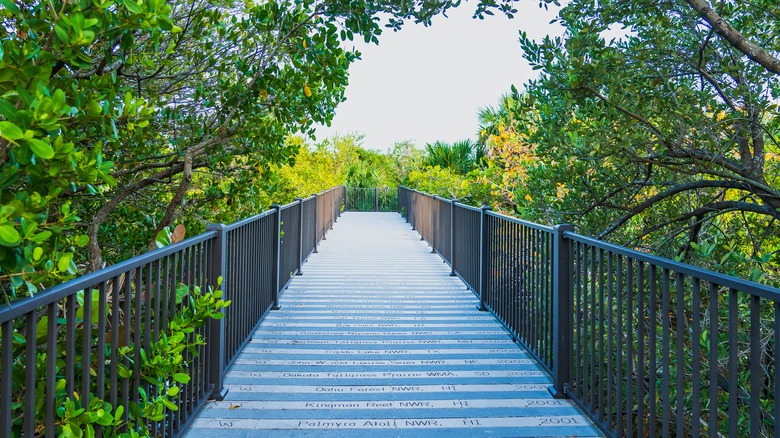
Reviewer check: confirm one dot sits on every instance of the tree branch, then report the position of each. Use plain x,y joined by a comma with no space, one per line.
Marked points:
734,37
178,197
649,202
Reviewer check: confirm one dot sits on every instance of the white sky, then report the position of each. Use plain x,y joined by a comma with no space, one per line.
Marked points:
427,84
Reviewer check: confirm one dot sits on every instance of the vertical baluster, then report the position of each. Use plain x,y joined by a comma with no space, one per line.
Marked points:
126,342
592,353
166,276
114,342
86,344
776,346
157,314
610,341
100,362
600,402
665,351
619,349
544,263
6,361
640,377
147,310
30,376
519,292
137,334
528,286
680,322
756,375
696,360
653,353
197,367
578,355
51,370
586,324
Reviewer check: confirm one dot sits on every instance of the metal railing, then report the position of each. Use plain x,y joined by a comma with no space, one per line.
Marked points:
646,346
131,304
371,199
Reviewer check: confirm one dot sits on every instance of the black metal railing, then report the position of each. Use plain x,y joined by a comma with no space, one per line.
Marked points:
371,199
132,303
645,345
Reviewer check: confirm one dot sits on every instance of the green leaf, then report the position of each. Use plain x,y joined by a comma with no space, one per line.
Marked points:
7,110
41,148
61,33
181,378
40,237
133,7
8,235
135,411
9,130
64,262
10,5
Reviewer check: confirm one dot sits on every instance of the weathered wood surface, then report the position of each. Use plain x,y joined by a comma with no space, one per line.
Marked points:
375,339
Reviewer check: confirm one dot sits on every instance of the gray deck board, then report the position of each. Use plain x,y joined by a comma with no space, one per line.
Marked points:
376,339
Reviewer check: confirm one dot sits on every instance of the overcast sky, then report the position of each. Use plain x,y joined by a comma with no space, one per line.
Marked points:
427,84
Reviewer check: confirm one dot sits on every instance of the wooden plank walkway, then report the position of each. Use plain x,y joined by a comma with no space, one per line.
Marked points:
376,339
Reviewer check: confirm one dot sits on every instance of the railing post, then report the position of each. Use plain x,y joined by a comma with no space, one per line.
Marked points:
376,199
323,213
342,198
484,255
399,201
561,361
215,343
333,208
434,224
300,235
337,213
276,257
412,205
422,227
452,237
316,220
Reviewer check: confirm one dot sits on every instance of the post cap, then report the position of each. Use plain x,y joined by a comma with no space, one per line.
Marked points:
563,227
215,227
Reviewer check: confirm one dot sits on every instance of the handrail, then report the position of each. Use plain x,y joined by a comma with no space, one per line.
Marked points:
641,343
468,207
729,281
522,222
60,291
248,220
371,199
138,297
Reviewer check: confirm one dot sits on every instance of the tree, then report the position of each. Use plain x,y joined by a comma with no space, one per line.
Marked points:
461,156
120,118
670,131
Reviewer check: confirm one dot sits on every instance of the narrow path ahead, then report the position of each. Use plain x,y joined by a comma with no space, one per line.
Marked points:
377,340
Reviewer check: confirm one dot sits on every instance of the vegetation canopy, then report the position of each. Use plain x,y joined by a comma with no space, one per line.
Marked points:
121,117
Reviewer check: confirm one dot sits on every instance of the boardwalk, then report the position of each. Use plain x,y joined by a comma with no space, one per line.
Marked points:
377,340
